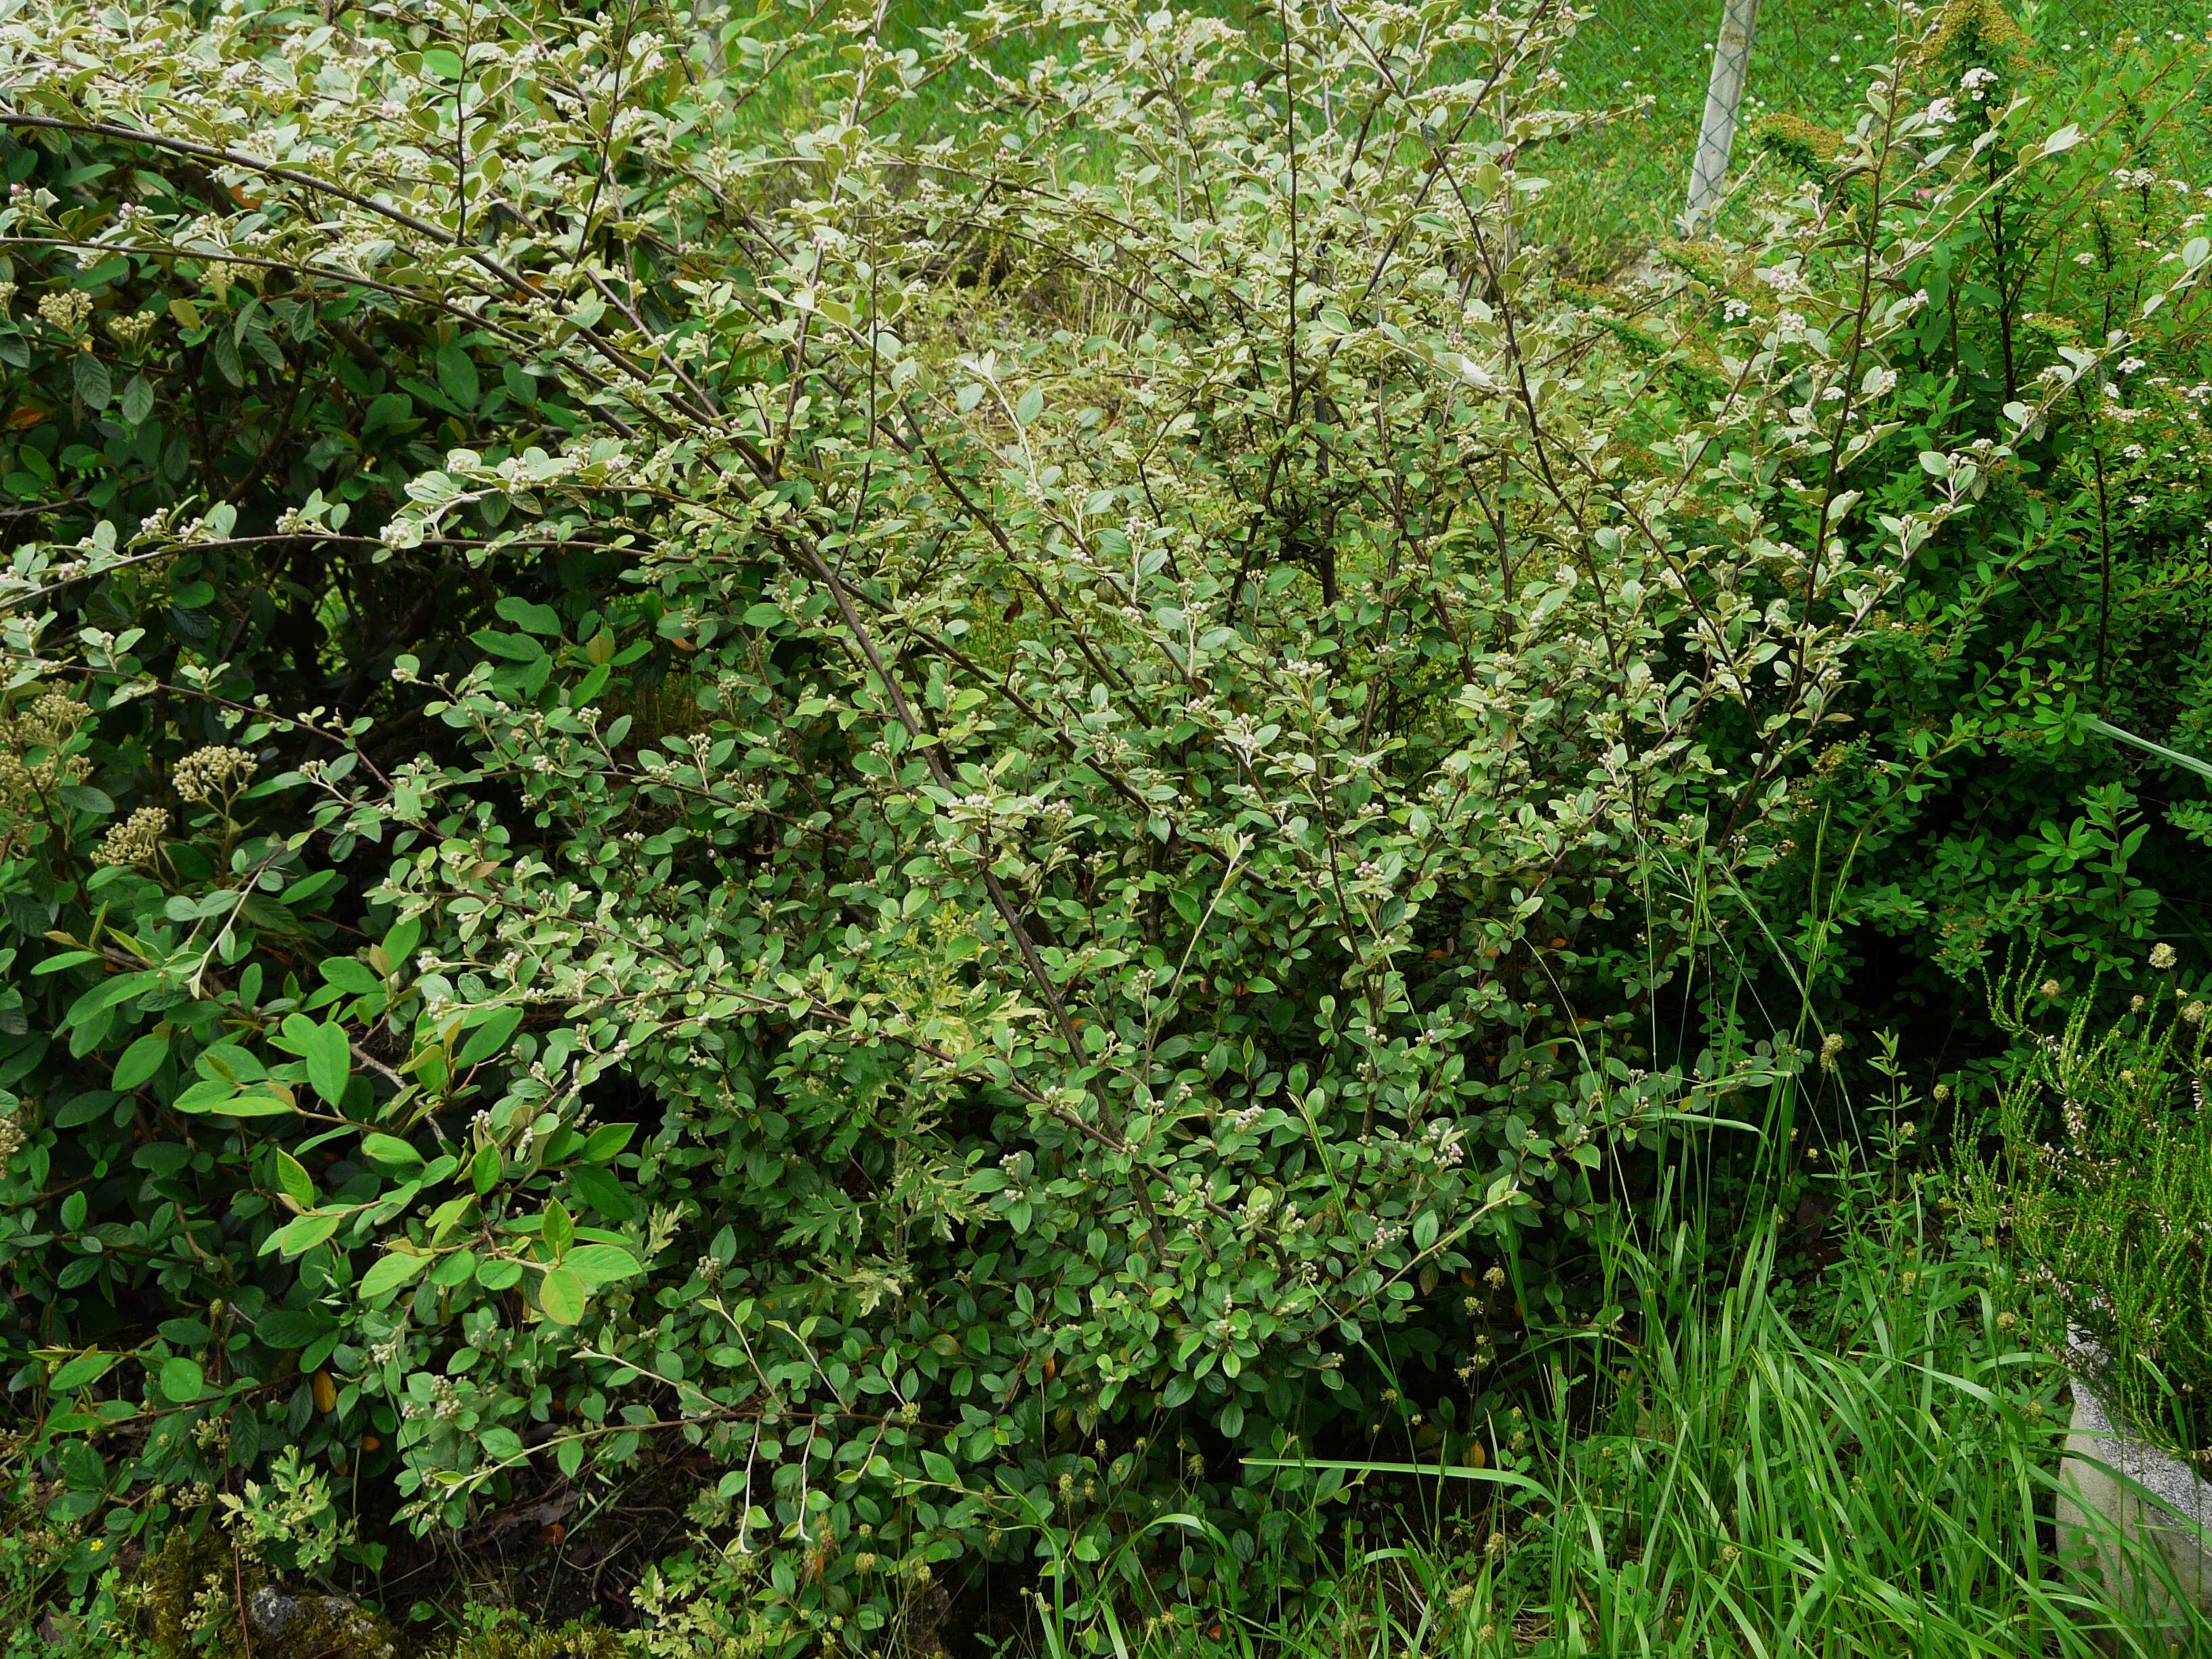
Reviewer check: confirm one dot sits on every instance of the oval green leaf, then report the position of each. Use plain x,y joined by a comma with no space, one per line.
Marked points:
561,1296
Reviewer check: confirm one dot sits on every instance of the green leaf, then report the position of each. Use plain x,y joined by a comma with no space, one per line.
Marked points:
605,1142
1031,406
495,1273
288,1328
763,615
137,399
223,348
308,887
141,1060
602,1193
443,62
95,386
560,1229
182,1381
66,959
257,1104
84,1108
490,1036
292,1175
354,978
484,1169
529,618
252,1105
300,1234
390,1271
106,994
222,1099
562,1296
602,1264
329,1061
515,647
226,1062
391,1152
457,374
81,1372
86,798
1439,1470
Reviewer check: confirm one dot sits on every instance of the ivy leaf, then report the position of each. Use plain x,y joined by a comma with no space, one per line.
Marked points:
561,1296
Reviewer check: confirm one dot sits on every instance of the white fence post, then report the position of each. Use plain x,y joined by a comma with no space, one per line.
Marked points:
1723,96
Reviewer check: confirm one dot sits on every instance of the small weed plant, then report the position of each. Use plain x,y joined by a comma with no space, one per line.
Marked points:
2104,1182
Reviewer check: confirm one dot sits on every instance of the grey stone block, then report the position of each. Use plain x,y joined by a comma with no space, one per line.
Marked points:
2096,1509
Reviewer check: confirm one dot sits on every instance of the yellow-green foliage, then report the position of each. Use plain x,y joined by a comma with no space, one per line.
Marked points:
189,1594
2040,337
1689,367
510,1636
1708,262
665,708
1977,32
1805,146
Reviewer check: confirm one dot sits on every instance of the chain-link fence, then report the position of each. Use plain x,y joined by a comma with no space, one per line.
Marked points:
1808,57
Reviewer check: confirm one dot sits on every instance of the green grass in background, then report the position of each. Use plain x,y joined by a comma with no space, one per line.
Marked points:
1622,185
1618,187
1753,1459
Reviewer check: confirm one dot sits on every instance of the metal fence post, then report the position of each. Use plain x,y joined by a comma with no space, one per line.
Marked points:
1723,96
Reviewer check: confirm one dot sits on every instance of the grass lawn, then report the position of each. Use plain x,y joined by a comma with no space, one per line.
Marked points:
1616,188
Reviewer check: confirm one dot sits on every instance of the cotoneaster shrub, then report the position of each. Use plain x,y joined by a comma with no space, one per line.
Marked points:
959,819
